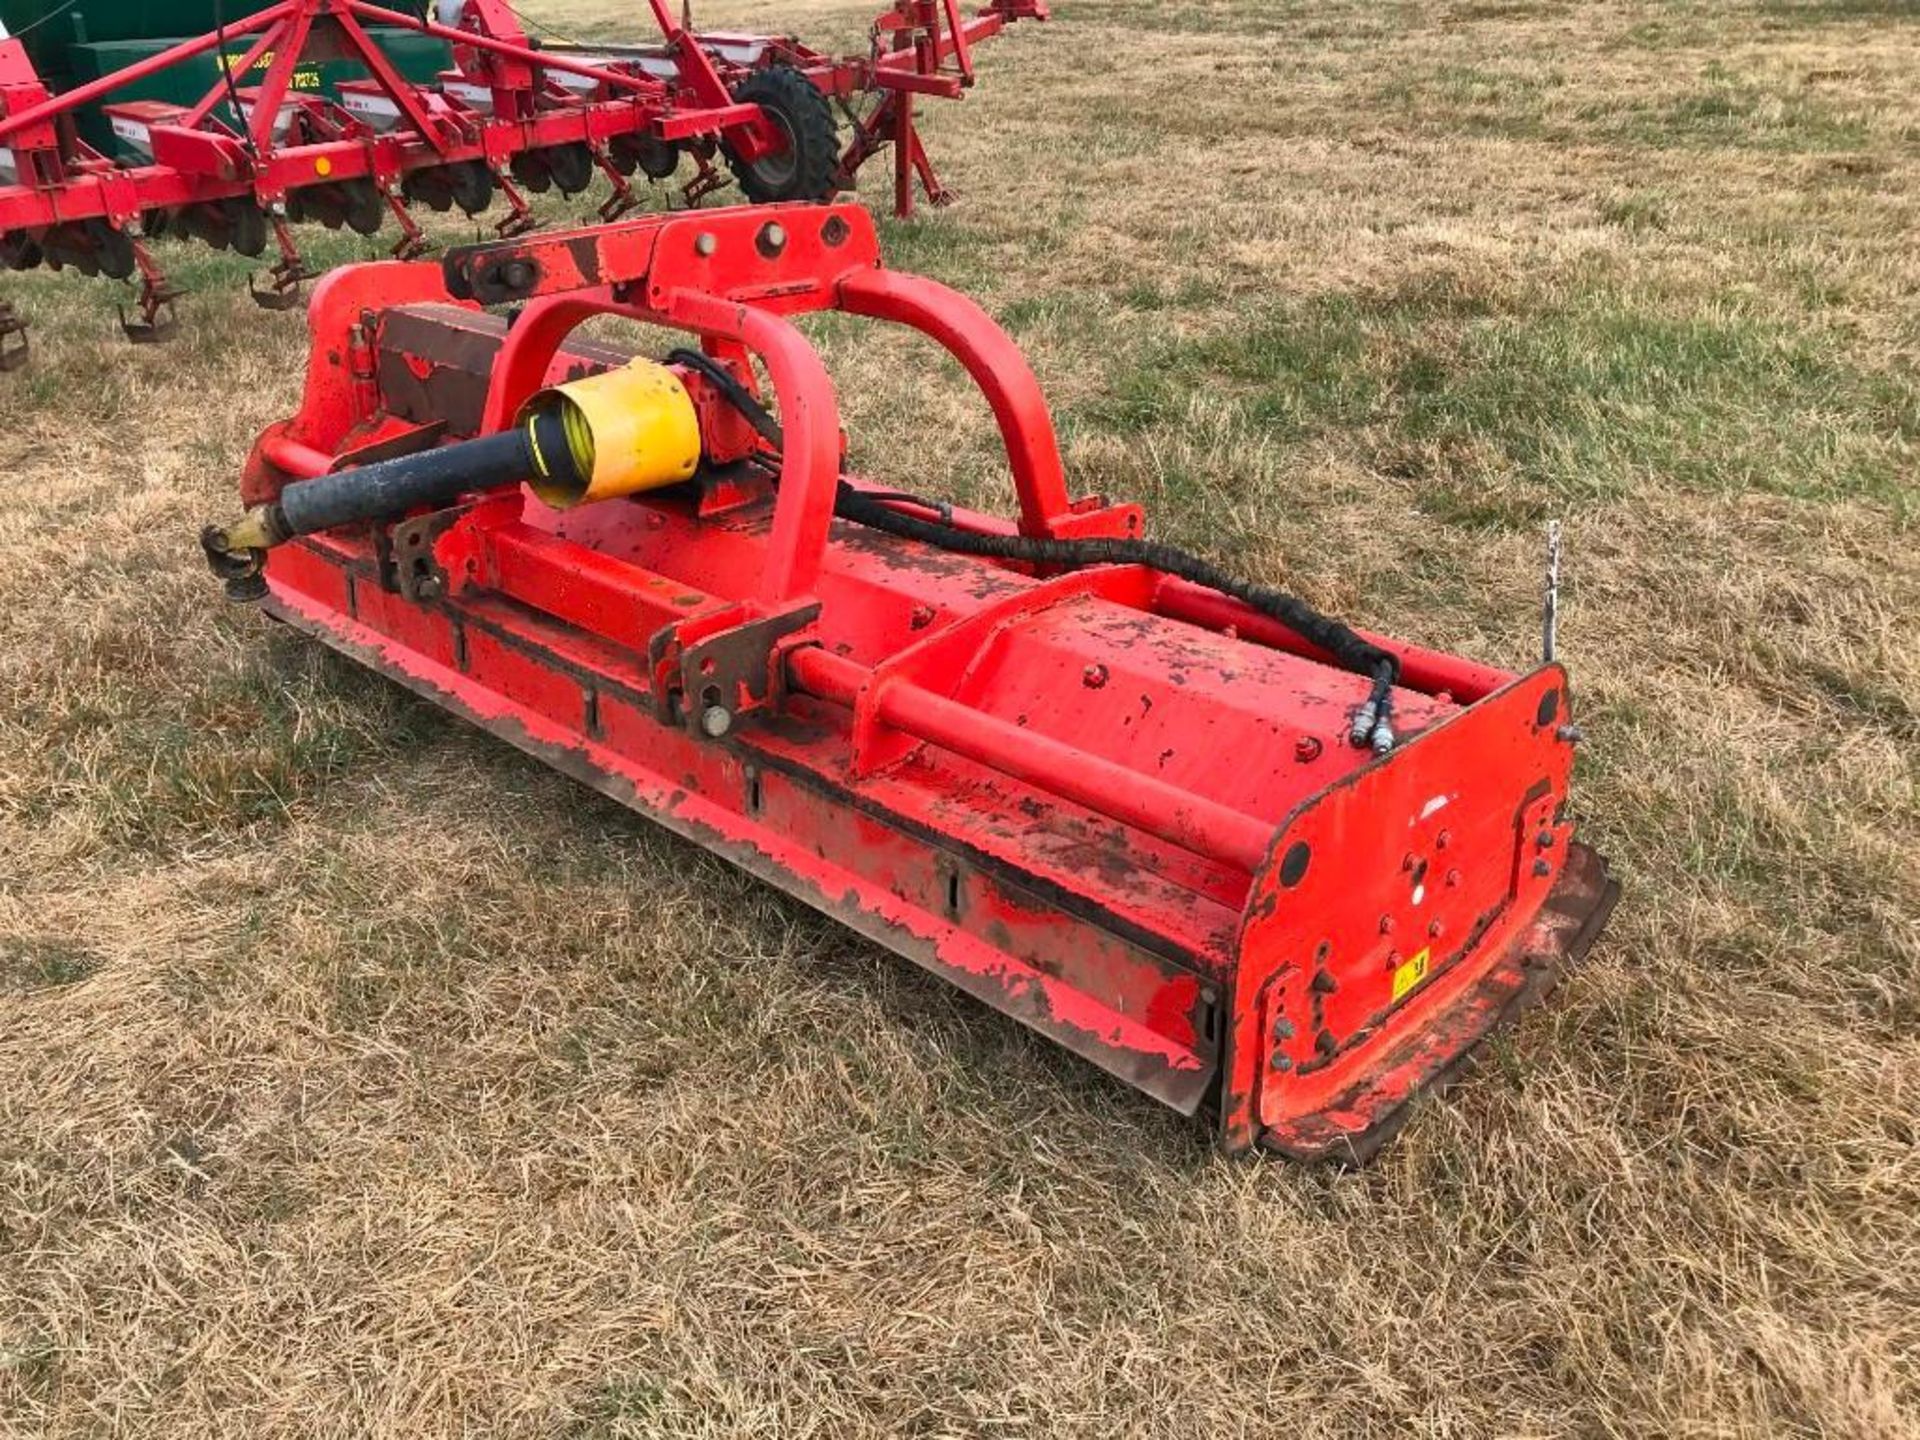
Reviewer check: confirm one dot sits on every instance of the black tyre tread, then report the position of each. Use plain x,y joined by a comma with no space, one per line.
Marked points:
809,118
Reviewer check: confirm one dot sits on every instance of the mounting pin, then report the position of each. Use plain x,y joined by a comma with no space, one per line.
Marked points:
1550,600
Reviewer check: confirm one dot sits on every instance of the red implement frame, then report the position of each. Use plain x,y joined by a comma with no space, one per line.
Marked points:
507,100
1116,806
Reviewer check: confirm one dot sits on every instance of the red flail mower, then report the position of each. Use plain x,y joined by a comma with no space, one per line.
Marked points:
1250,860
236,167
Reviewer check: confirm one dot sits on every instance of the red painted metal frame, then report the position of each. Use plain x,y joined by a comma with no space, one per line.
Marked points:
64,182
73,205
206,161
1115,806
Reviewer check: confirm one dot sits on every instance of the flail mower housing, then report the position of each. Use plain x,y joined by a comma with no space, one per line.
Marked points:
279,137
1242,856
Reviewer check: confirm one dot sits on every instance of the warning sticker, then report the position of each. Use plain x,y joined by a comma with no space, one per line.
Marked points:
1406,976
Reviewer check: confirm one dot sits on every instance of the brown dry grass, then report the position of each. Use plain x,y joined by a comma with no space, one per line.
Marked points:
358,1077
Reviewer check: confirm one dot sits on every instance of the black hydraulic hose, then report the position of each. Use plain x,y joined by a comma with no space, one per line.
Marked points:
226,74
1372,723
1338,640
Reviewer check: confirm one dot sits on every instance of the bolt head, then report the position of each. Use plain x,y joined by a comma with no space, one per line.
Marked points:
715,721
705,243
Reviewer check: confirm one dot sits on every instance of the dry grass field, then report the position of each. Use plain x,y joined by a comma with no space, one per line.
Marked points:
358,1077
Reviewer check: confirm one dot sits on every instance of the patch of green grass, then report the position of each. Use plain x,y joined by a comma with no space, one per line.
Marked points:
1590,397
933,244
1192,292
1663,33
1295,372
1503,415
619,1404
1636,212
239,746
1207,17
1029,313
1872,698
1734,113
1470,99
1816,11
43,962
31,1364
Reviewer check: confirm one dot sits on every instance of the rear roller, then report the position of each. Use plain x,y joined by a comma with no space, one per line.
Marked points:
350,204
566,168
235,225
92,247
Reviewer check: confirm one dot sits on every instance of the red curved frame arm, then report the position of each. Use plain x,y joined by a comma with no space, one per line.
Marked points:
997,367
727,278
803,393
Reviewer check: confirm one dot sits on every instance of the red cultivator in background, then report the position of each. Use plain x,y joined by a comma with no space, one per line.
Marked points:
1239,855
236,167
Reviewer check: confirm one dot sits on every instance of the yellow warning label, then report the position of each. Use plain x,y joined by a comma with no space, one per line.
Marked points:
1406,976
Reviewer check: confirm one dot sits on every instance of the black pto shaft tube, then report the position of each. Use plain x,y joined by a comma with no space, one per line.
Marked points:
385,488
393,487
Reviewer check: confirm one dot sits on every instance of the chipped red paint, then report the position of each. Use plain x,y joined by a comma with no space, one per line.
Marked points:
1082,799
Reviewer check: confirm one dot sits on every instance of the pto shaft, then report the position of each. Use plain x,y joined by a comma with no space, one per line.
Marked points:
618,433
408,482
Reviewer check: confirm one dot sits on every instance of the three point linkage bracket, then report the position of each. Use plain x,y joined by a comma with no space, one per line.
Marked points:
783,258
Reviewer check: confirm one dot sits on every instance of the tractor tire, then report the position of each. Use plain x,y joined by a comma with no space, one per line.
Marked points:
805,169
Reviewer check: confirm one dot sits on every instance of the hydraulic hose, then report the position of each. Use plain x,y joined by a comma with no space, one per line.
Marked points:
1372,721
